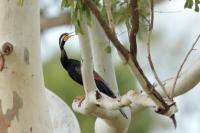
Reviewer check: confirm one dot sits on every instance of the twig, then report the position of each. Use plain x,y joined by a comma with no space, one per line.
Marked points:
179,71
149,51
170,109
109,15
152,15
153,68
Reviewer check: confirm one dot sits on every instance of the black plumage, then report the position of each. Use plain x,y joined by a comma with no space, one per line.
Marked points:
73,67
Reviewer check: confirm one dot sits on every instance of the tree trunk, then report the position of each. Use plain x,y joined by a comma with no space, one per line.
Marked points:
103,64
23,105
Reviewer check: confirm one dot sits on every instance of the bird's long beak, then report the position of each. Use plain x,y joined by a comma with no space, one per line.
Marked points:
68,36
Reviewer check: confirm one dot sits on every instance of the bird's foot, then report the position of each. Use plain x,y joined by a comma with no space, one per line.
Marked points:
80,99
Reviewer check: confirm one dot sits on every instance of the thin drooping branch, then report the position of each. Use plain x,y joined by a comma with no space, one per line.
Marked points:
179,71
152,66
187,81
152,15
149,51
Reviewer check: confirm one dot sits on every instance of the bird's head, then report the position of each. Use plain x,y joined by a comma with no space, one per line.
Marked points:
63,38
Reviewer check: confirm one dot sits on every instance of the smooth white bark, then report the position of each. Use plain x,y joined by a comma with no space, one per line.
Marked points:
63,118
186,81
87,105
22,96
111,120
102,58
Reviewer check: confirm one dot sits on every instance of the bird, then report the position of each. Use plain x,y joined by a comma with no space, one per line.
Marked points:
73,67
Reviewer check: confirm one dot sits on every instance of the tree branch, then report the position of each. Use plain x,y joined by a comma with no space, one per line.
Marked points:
179,71
109,15
187,81
147,86
149,51
90,103
86,60
134,12
90,4
50,22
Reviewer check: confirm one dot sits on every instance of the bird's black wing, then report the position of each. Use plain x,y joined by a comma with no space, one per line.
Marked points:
102,86
75,71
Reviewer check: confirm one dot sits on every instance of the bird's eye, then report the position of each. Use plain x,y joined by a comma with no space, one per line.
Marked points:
66,37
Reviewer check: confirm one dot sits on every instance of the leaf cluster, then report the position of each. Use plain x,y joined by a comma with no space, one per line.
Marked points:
192,3
78,10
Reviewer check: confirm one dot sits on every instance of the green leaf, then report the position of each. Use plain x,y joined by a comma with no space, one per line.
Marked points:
197,2
188,4
78,28
67,3
63,4
20,3
108,49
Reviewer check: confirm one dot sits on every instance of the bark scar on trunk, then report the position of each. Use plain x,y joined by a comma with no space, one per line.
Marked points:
5,119
26,56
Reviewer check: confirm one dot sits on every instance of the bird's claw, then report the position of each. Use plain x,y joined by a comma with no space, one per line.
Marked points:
79,99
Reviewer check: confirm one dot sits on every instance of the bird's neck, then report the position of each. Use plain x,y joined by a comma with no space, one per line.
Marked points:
64,59
63,54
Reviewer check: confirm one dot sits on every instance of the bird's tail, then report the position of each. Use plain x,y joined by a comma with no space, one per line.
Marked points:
122,112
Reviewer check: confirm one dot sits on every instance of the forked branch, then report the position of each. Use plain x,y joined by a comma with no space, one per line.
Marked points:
147,86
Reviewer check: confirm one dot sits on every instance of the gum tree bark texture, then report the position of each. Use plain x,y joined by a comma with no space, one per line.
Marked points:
23,105
103,64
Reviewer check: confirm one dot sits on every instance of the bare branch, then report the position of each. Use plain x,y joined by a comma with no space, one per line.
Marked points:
149,51
135,26
187,81
152,15
50,22
147,86
152,66
179,71
133,48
